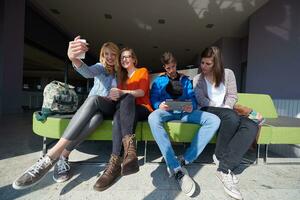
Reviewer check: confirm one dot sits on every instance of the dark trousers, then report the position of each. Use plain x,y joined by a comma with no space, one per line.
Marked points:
88,117
125,118
235,136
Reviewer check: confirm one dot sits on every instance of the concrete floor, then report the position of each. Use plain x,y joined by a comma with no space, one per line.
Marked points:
20,148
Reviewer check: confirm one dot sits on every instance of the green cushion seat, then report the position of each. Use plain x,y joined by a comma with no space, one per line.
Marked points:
285,130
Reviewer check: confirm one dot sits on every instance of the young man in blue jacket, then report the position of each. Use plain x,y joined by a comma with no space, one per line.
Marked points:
175,86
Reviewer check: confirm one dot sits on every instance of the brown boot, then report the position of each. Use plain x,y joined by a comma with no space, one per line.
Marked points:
110,174
130,161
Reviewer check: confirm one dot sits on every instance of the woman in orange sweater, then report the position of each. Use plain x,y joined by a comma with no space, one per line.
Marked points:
133,104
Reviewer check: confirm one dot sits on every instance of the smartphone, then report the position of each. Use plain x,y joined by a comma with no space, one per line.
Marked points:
82,55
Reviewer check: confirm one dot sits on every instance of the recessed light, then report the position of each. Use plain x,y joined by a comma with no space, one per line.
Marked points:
54,11
209,25
161,21
107,16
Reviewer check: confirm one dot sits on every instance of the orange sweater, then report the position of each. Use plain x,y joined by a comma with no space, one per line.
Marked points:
139,80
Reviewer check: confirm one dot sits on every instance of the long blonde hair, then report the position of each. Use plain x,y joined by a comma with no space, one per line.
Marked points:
115,49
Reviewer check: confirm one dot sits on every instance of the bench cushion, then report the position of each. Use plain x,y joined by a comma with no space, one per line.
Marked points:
285,130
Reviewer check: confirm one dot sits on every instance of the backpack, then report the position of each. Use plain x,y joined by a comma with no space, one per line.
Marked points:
59,98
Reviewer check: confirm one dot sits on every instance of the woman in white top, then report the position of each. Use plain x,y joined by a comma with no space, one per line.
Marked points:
215,91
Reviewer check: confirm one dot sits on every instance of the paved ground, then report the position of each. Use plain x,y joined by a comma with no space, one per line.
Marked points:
19,148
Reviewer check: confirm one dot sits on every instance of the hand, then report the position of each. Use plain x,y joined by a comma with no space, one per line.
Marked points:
164,106
76,48
187,108
115,94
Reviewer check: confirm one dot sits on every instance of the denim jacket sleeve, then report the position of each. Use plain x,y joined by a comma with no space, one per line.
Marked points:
90,71
155,94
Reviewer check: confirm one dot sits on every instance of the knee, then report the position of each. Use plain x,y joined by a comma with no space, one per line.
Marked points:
229,116
128,99
153,118
97,118
91,100
214,120
251,126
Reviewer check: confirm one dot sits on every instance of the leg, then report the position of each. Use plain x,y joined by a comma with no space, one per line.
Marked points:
37,171
125,108
95,121
124,121
156,120
239,144
229,124
210,124
44,146
127,115
128,118
117,135
62,170
81,118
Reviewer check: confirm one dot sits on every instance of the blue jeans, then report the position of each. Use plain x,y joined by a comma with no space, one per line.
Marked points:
210,124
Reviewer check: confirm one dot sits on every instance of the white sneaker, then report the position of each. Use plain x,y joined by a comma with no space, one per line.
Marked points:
230,187
186,183
234,177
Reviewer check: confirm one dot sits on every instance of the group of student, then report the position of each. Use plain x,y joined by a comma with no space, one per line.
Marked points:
122,91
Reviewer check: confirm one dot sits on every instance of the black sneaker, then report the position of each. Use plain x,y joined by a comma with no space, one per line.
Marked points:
34,174
62,170
185,182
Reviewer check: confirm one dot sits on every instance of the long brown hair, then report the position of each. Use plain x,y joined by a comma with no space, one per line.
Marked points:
218,68
123,72
115,49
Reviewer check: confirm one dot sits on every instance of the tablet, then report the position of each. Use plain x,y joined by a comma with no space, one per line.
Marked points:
177,105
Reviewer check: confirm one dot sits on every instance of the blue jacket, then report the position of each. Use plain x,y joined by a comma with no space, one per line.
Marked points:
102,80
159,94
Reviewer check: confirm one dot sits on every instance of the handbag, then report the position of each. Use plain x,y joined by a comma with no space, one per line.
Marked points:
59,98
250,113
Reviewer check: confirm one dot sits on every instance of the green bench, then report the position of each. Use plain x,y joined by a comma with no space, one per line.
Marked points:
54,127
277,129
